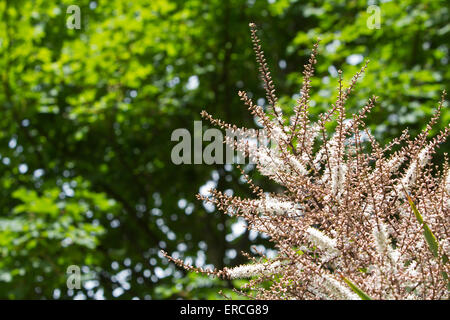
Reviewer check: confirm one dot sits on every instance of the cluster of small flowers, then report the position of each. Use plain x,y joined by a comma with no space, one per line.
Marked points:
345,226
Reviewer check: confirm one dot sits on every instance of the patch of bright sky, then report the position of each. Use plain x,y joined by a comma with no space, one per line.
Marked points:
182,203
333,71
38,173
23,168
333,46
68,191
237,229
354,59
12,143
204,189
193,83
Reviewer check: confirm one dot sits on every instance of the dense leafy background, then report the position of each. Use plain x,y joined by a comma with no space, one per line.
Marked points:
86,117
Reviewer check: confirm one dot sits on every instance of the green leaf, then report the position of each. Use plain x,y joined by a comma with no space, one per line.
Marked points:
429,236
356,289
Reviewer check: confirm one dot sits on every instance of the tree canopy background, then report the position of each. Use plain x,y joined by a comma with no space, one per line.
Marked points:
86,177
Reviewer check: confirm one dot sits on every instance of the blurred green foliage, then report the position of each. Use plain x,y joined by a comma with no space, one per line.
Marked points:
85,171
